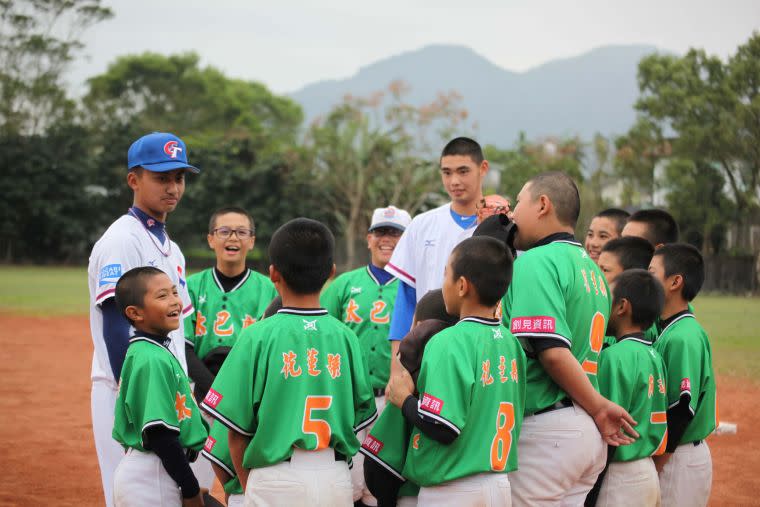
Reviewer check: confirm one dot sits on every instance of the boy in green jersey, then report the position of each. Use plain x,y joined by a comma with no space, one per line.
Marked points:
654,225
472,388
156,418
558,305
363,299
295,388
686,467
632,374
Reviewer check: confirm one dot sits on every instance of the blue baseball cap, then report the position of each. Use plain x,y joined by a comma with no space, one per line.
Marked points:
159,152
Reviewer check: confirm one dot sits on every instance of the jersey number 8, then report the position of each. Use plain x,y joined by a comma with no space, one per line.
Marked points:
502,441
317,427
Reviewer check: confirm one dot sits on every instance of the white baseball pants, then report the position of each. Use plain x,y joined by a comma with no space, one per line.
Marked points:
142,480
630,484
686,479
479,490
560,455
102,403
310,478
357,471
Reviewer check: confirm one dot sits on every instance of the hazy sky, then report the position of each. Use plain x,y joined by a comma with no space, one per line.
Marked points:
287,44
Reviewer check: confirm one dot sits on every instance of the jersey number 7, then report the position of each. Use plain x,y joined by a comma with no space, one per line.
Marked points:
317,427
502,441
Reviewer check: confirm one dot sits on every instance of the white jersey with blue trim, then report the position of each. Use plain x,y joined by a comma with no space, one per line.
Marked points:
420,256
125,245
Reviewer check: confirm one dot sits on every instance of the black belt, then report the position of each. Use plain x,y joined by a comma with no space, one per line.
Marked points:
379,391
563,403
338,457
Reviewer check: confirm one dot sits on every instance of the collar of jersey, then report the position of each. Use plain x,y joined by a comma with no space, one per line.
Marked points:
302,311
675,318
481,320
243,277
557,237
372,275
636,337
156,339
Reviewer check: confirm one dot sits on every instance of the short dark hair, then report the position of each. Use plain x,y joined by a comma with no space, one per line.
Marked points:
229,209
302,251
645,295
274,306
632,252
464,146
685,260
661,226
561,191
432,306
487,264
132,286
617,215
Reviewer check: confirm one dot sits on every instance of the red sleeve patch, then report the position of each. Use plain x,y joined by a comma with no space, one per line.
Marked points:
431,404
538,324
209,445
372,444
685,384
212,398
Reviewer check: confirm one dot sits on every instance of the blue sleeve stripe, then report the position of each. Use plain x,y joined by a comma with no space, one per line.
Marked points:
403,311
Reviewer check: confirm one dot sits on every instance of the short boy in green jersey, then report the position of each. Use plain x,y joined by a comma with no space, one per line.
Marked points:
156,418
472,388
605,226
295,388
388,441
363,299
618,255
686,467
632,374
654,225
227,298
558,305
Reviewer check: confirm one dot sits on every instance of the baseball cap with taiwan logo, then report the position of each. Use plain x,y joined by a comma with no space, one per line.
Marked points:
390,217
159,152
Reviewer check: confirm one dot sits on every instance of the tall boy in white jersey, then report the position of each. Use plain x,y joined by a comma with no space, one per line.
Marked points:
421,254
157,165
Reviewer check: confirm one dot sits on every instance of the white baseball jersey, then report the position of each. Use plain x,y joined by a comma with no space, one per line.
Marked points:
125,245
421,254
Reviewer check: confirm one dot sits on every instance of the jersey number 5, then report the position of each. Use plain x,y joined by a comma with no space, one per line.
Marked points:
317,427
596,340
502,441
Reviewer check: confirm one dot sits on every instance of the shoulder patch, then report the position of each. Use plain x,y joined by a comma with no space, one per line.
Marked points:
109,274
372,445
212,398
431,404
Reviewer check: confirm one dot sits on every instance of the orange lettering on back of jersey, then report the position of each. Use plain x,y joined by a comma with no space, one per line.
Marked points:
200,324
333,365
503,369
513,372
486,378
377,309
650,389
289,367
311,361
351,315
221,319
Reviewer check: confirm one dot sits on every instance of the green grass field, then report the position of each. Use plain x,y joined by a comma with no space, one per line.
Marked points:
733,323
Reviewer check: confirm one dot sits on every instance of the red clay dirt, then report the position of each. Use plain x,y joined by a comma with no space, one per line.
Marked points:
49,457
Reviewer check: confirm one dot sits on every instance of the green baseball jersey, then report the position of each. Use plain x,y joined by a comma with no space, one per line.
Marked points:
365,305
154,391
632,374
387,443
558,296
220,316
217,450
655,329
296,379
686,350
472,379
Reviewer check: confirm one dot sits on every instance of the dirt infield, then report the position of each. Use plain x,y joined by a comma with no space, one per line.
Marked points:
49,457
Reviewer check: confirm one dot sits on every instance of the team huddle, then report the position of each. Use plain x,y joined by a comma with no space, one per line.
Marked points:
482,357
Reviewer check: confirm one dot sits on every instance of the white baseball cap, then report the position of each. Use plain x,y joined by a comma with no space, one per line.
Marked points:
390,217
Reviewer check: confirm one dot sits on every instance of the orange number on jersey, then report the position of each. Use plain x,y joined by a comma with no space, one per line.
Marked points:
221,319
377,309
351,315
317,427
596,339
502,441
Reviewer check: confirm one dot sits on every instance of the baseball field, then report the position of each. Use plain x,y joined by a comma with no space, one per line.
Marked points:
49,455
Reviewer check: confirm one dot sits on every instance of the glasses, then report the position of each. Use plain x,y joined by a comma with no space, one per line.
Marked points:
226,232
387,231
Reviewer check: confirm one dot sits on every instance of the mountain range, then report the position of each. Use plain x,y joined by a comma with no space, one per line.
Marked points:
582,95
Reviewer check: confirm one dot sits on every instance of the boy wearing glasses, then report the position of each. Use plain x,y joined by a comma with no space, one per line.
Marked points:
363,299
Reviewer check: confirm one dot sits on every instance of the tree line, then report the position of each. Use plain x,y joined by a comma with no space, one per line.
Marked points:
62,160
